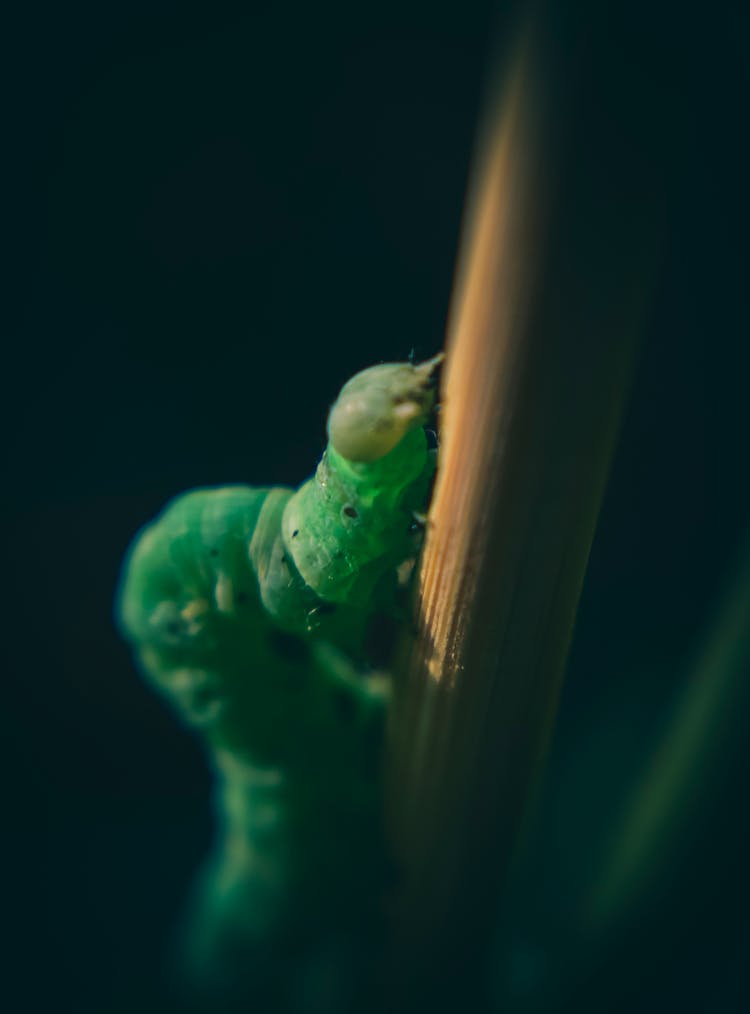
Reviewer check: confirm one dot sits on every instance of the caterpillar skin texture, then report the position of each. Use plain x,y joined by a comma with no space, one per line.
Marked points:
249,609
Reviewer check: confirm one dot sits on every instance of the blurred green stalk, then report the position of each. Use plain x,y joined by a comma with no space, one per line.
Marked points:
677,778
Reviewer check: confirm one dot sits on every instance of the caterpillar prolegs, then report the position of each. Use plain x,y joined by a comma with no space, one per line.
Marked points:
249,608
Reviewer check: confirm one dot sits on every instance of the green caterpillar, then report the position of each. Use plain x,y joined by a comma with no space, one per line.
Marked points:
249,608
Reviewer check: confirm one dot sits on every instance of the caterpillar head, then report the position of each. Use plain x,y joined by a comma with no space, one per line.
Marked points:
379,406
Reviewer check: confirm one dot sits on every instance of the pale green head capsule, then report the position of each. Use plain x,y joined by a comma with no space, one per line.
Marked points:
377,408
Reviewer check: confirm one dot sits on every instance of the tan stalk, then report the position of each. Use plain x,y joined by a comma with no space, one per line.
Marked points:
546,313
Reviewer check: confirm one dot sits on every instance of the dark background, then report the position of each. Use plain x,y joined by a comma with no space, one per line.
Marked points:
214,219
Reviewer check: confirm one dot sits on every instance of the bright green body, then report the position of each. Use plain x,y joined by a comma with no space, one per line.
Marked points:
249,608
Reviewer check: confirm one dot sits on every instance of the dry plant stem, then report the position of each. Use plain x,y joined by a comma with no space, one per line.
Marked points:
546,312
